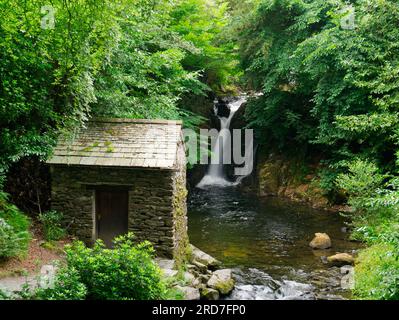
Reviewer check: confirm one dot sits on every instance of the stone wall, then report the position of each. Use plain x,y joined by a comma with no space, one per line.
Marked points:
157,203
181,244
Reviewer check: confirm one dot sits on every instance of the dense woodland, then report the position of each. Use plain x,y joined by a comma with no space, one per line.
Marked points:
329,94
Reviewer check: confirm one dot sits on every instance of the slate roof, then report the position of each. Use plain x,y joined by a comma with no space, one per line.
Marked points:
122,143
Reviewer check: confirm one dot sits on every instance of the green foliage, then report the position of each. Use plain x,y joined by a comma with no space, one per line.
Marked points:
51,224
332,92
375,199
67,286
204,24
327,180
125,272
361,181
9,240
130,58
14,234
4,295
47,74
377,273
325,89
148,83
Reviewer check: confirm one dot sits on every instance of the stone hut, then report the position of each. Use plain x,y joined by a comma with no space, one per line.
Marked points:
120,175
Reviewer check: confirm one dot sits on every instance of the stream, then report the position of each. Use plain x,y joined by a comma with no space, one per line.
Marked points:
266,243
265,240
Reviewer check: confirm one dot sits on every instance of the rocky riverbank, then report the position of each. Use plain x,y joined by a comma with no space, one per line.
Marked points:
277,176
202,279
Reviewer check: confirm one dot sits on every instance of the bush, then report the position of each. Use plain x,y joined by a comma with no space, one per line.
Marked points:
361,182
375,198
51,222
377,273
67,286
125,272
10,240
14,234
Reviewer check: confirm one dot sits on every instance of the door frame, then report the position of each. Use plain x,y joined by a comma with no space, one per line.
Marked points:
105,187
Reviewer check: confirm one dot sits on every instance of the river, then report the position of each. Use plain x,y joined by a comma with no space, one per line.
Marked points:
265,241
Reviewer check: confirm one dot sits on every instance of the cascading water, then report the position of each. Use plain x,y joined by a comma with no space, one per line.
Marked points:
215,175
264,241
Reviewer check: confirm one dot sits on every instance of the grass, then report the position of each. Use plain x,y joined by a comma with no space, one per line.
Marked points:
377,273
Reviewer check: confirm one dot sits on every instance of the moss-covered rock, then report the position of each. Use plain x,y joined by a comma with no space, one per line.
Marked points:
209,294
222,281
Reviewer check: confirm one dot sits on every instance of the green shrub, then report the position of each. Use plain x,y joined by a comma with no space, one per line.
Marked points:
67,286
125,272
361,182
51,223
14,225
375,198
377,273
10,240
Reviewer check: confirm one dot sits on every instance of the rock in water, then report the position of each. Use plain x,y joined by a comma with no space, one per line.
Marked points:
222,281
210,294
203,258
320,241
341,259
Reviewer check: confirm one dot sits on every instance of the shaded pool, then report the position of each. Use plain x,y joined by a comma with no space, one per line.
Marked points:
266,242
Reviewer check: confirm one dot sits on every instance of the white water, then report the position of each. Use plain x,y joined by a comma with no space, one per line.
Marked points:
215,175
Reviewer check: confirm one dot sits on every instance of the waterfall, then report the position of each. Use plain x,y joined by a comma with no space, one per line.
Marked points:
215,175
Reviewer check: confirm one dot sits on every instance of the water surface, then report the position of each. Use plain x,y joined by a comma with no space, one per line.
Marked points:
266,242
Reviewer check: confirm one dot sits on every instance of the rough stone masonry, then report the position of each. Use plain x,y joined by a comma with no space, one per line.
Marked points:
136,155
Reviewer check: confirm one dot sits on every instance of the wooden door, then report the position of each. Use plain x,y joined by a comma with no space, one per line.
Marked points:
111,214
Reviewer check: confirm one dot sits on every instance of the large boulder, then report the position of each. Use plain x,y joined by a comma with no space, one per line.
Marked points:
341,259
203,258
200,266
169,273
222,281
320,241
